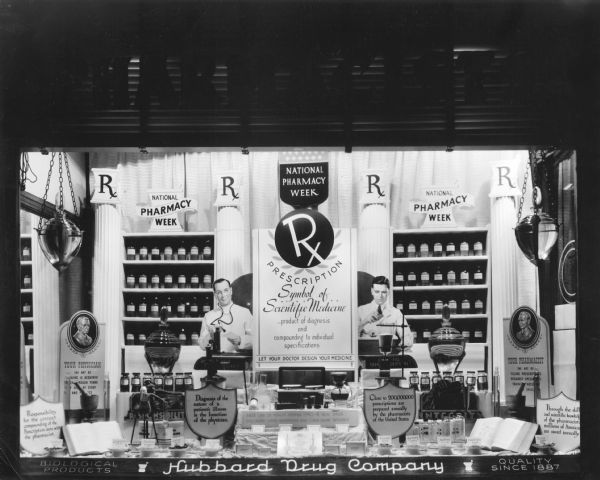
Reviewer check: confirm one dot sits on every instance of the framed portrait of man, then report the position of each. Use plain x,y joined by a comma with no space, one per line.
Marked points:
524,327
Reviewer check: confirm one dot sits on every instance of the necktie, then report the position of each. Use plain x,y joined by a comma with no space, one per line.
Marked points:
379,312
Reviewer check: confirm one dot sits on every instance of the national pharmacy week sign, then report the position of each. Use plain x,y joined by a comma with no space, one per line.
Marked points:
438,205
164,209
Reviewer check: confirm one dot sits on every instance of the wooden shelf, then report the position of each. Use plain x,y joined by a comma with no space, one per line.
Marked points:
171,319
27,319
179,263
168,234
27,290
437,231
441,288
26,262
166,290
456,258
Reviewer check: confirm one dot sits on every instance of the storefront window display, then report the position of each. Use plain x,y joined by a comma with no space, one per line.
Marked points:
305,311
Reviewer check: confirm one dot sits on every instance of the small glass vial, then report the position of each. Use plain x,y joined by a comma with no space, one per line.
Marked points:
143,253
451,277
141,338
179,382
413,380
453,306
143,281
464,277
438,307
181,253
411,250
168,304
124,383
464,249
478,306
168,252
478,248
146,379
457,429
26,253
438,278
478,336
435,378
205,308
425,278
195,338
155,253
183,337
26,309
26,281
438,250
194,311
188,381
413,307
482,381
425,433
424,250
168,280
471,379
426,335
130,255
207,281
142,309
30,339
130,309
465,306
195,281
169,383
466,335
448,376
412,279
130,281
478,276
136,382
155,281
159,382
425,307
450,249
194,252
399,251
459,377
181,308
425,382
399,278
154,308
181,281
207,253
130,339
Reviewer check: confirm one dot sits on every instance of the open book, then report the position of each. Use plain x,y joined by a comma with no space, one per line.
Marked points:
91,438
498,433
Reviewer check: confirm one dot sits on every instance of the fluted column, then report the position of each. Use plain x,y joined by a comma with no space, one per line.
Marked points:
107,282
230,244
374,225
46,322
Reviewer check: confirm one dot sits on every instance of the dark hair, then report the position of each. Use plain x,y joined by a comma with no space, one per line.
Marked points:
219,280
381,280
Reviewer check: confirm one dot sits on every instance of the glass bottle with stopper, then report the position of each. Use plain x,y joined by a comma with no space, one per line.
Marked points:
162,347
446,345
341,392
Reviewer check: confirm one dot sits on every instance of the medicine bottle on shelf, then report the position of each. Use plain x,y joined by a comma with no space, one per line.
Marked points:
425,307
155,253
413,307
143,281
181,308
466,335
155,281
413,380
136,382
183,337
130,339
450,249
464,277
26,309
438,307
477,248
425,382
411,250
195,281
142,309
399,250
130,281
464,249
438,278
399,278
207,253
168,280
130,309
168,253
143,252
451,277
411,279
181,281
437,249
194,310
154,308
130,252
478,276
465,306
425,278
194,252
452,305
26,281
478,306
424,250
124,382
181,252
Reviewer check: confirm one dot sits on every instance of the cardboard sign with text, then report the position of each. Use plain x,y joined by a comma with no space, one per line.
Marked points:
390,410
526,350
303,184
305,314
82,350
211,411
559,420
40,425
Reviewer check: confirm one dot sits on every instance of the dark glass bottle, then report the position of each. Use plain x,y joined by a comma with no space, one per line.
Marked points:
155,308
142,310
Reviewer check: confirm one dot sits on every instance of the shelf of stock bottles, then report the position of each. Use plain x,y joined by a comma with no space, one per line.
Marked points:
454,316
167,290
431,288
168,262
450,259
171,319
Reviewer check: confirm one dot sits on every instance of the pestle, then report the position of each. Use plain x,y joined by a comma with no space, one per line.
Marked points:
520,391
81,389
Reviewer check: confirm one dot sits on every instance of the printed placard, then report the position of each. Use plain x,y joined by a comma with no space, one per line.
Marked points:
305,316
303,184
505,180
164,209
559,420
526,351
374,187
210,411
40,425
438,205
228,189
106,185
82,361
390,410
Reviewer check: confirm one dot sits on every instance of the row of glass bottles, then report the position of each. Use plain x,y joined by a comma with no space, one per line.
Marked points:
180,382
438,277
422,381
130,338
167,281
427,307
181,307
437,249
450,427
182,252
423,335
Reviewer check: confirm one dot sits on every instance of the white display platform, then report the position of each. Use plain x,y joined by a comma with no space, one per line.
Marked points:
326,417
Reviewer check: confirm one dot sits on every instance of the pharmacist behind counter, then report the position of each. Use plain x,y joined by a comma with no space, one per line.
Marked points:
234,321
